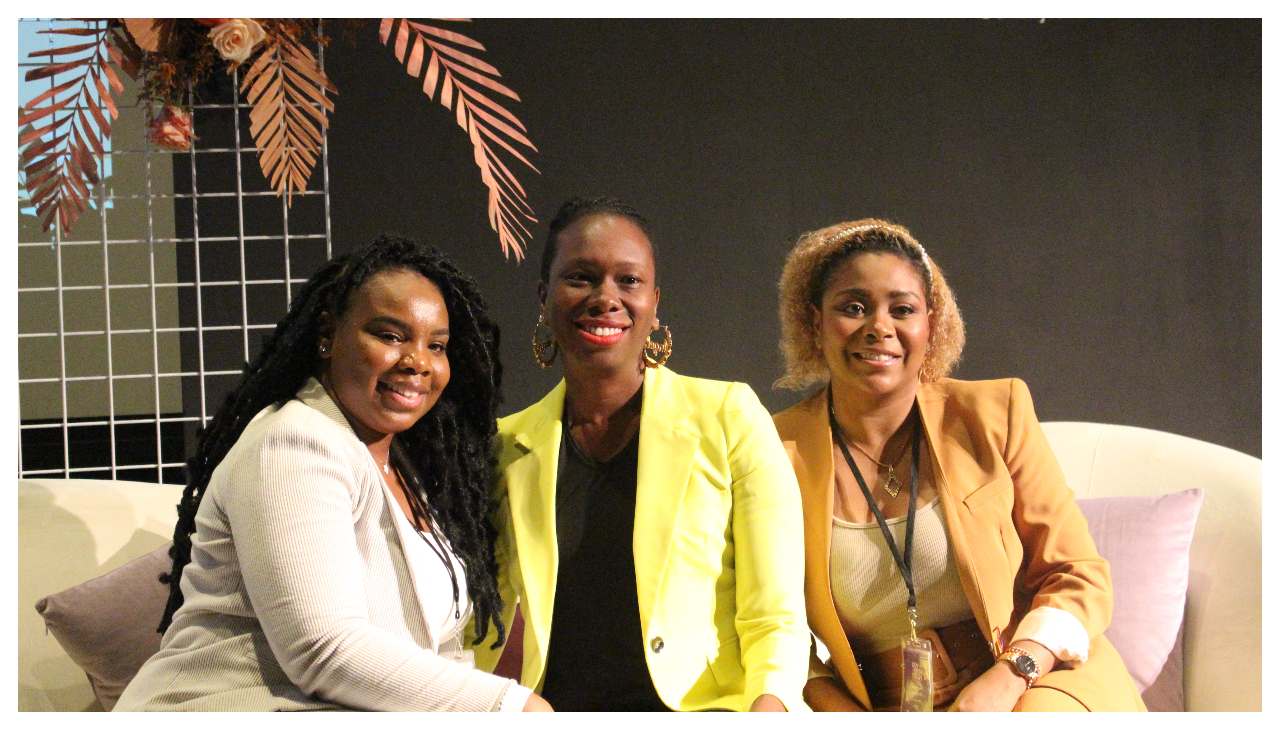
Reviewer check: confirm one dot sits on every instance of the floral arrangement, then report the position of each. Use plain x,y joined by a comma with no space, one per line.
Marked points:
61,130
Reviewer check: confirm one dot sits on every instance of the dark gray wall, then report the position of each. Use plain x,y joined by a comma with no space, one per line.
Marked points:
1091,188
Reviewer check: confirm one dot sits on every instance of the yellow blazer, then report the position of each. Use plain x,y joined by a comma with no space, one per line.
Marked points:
717,542
1019,539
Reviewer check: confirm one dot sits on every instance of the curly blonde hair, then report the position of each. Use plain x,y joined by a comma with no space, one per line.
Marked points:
804,279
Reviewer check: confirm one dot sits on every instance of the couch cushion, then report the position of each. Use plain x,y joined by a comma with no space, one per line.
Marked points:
70,531
1223,666
108,625
1147,540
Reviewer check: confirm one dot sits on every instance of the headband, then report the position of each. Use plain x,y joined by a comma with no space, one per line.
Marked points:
897,230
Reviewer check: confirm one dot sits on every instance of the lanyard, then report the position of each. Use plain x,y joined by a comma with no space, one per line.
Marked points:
903,561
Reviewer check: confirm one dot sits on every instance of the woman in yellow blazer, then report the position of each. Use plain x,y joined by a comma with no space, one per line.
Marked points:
1011,591
649,523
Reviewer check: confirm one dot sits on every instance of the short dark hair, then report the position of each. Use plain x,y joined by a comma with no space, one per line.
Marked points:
575,209
445,457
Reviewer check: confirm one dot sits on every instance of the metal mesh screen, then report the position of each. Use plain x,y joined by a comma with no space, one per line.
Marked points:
134,326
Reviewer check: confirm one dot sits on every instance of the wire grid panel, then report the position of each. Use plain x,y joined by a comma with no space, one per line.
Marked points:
134,326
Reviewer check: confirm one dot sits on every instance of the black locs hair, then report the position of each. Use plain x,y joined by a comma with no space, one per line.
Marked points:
445,458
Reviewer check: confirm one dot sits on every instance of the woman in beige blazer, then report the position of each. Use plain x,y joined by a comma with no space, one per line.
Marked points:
1010,590
333,540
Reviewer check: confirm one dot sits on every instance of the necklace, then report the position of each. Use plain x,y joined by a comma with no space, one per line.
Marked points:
386,465
892,485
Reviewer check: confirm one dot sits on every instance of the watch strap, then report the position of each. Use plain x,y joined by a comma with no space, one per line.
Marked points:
1023,664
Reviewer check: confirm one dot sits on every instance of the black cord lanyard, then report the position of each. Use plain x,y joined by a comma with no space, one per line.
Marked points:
904,562
420,515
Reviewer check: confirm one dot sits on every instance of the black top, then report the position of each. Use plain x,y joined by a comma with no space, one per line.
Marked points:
595,660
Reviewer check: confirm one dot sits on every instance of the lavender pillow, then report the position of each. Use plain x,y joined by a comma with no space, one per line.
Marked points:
108,625
1147,541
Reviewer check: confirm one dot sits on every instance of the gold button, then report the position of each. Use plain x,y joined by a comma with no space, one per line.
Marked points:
656,645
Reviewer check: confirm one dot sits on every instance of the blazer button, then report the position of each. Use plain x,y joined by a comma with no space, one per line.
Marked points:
656,645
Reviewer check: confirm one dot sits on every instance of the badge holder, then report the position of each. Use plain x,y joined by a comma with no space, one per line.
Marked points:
917,670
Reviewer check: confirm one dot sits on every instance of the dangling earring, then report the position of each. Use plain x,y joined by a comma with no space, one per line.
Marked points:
540,347
656,353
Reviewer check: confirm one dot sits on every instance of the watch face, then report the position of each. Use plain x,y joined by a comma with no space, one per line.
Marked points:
1024,664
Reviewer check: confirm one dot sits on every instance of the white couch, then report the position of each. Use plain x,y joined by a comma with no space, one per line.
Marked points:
70,531
1222,628
74,530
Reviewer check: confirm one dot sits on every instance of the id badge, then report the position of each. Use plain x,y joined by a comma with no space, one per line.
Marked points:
917,675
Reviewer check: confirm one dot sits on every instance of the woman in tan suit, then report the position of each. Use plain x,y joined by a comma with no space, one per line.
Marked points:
992,555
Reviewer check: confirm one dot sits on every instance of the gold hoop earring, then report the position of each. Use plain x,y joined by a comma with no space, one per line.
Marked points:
655,354
540,347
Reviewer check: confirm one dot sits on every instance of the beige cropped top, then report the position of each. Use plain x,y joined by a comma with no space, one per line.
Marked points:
868,589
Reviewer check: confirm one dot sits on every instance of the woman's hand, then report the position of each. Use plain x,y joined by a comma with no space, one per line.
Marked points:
999,688
535,703
768,703
825,694
995,690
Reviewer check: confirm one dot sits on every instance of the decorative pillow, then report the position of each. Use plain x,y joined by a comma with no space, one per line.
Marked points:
512,660
1166,694
1147,540
108,625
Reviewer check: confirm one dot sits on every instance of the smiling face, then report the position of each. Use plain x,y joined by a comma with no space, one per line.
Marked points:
600,298
873,327
385,361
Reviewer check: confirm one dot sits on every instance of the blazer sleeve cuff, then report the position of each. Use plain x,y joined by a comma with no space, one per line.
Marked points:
1056,630
514,698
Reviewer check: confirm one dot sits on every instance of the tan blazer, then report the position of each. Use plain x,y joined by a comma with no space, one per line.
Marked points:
716,540
1019,539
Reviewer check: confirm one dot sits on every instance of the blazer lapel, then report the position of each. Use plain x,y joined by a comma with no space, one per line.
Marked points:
314,395
817,490
952,452
531,489
667,453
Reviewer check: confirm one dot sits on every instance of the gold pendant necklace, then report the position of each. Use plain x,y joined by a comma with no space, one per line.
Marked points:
892,485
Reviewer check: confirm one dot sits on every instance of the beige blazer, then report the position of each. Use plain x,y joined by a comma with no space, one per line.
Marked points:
717,542
298,595
1019,539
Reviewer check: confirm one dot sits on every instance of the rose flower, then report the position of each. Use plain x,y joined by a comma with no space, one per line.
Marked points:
235,39
171,129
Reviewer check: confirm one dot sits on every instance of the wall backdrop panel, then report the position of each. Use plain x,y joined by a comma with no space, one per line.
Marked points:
1091,188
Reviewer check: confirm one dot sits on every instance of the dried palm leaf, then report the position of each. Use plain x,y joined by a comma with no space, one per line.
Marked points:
60,159
286,87
486,122
149,33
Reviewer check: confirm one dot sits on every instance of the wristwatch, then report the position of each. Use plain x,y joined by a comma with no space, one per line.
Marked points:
1023,663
